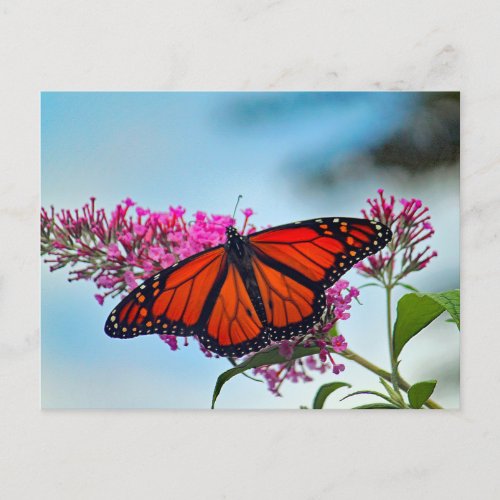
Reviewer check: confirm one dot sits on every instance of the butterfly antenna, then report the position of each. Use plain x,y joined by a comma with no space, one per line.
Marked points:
237,203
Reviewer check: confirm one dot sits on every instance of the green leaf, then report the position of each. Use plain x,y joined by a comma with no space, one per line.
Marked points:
395,397
376,406
420,392
233,362
417,310
408,287
264,358
387,387
372,393
450,301
333,332
324,391
369,284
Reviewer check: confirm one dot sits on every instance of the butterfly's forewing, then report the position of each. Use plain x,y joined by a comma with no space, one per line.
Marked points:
204,296
174,301
293,264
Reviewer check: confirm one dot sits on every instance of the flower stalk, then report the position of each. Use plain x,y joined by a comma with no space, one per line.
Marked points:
410,227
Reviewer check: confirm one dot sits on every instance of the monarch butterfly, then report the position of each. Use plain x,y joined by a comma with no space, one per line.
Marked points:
240,296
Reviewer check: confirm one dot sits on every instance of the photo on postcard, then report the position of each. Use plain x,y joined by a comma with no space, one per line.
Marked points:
250,250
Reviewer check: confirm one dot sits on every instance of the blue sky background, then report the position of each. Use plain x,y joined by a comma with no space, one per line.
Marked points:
201,150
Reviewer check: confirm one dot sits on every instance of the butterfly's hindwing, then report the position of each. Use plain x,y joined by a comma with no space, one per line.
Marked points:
173,301
234,326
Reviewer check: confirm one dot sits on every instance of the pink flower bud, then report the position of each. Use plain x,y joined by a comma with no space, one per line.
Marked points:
286,349
130,279
128,202
113,251
337,368
247,212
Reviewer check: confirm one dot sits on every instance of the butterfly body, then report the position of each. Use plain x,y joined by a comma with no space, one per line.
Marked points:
240,296
240,253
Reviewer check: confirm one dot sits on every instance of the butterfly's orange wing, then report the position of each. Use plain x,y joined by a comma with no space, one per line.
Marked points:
204,296
234,327
173,301
293,264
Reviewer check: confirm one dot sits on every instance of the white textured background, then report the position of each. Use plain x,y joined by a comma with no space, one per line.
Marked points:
225,45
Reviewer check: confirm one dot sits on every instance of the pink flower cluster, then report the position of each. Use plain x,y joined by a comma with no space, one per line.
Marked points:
322,335
128,245
411,226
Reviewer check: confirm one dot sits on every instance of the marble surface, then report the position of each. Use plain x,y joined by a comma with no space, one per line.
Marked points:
242,45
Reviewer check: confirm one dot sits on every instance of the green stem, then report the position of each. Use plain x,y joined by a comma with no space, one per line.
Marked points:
402,384
394,362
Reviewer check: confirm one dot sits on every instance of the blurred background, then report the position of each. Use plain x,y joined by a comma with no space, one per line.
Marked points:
292,155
